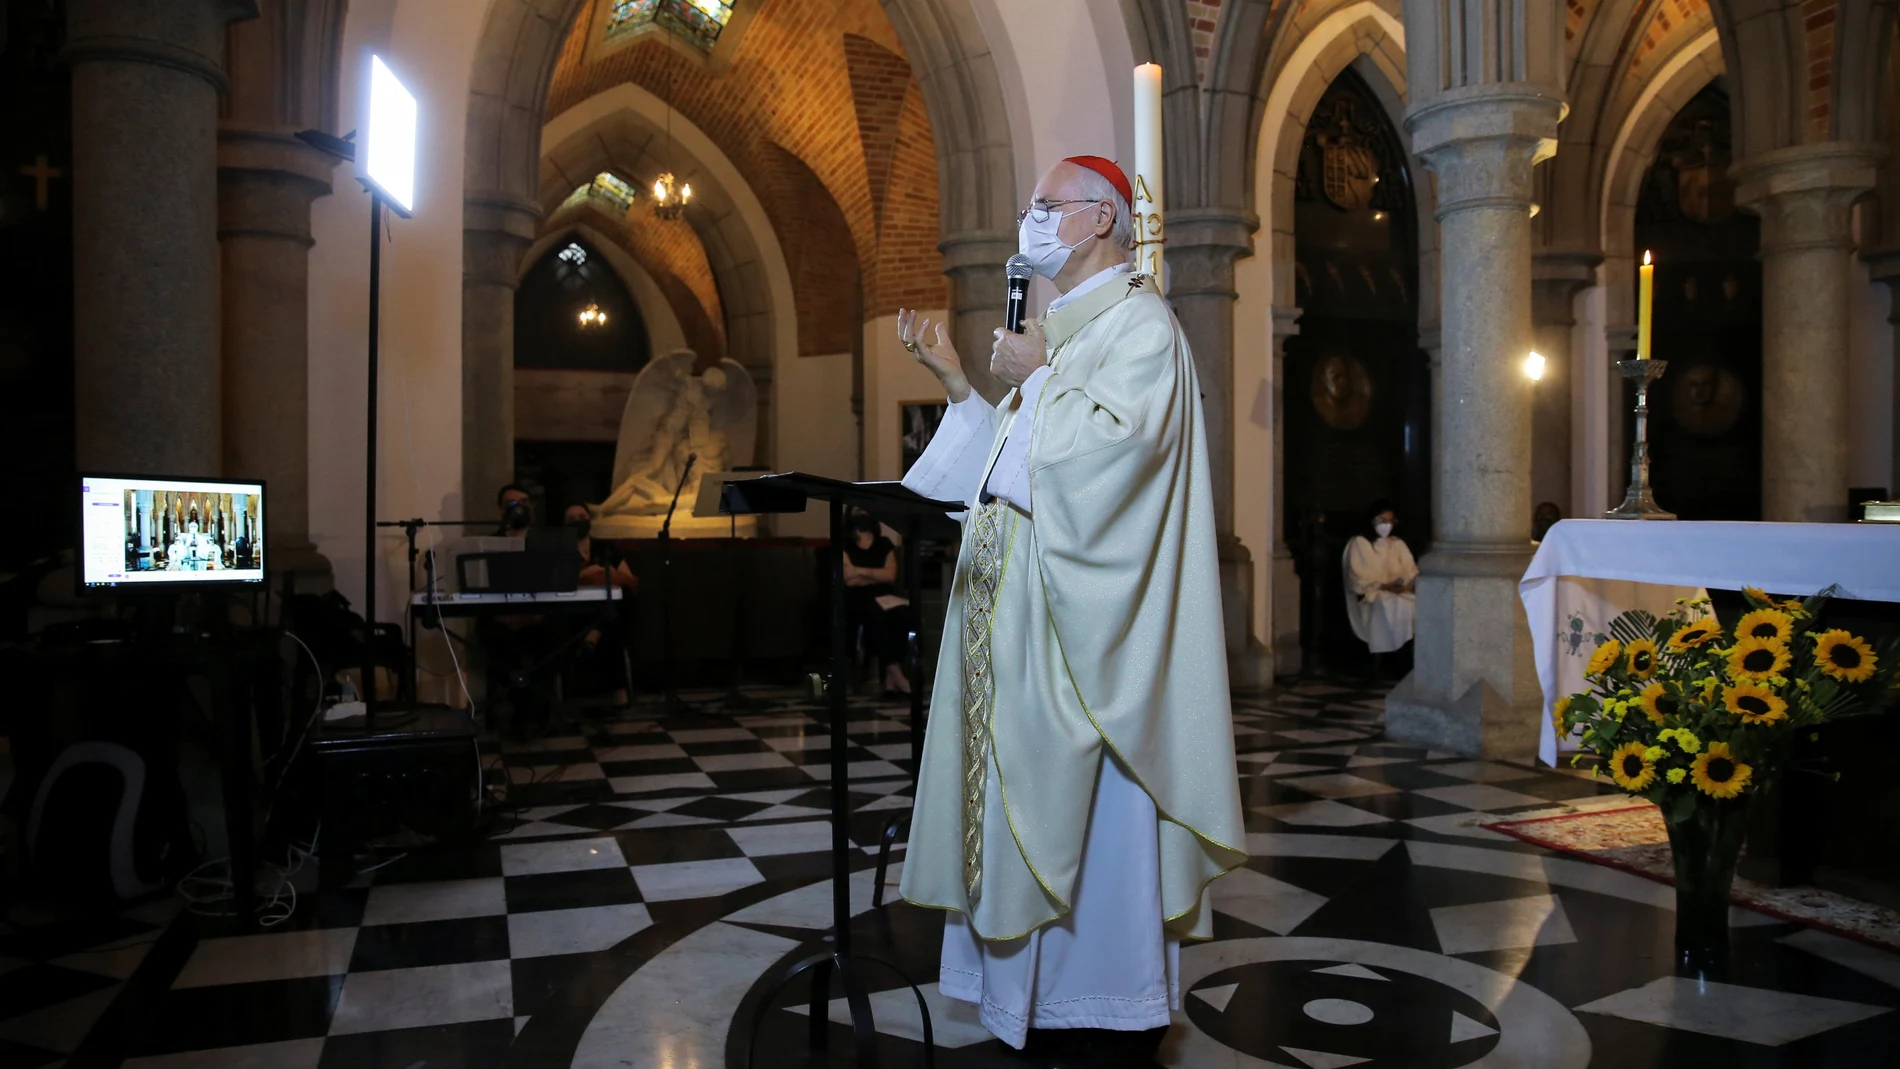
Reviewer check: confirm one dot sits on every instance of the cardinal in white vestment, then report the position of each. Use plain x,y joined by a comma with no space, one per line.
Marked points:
1078,790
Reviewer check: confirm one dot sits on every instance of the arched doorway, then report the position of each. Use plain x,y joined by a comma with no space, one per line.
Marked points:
579,341
1357,394
1705,413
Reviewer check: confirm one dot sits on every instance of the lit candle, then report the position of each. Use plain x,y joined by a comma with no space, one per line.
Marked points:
1645,299
1147,180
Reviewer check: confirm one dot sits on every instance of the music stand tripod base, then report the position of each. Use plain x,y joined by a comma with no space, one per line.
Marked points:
790,493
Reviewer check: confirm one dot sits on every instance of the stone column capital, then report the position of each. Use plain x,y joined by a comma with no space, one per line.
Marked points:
1805,194
1556,279
1286,322
1883,265
1203,244
1212,227
1481,143
981,250
187,35
267,180
496,231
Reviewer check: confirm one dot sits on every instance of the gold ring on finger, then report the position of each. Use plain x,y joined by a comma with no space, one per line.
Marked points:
911,345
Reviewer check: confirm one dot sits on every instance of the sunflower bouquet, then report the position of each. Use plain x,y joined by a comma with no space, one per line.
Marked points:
1699,721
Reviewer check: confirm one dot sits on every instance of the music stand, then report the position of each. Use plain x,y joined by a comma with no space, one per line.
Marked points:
886,501
712,486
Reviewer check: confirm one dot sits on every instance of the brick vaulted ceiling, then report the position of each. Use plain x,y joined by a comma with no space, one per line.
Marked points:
820,114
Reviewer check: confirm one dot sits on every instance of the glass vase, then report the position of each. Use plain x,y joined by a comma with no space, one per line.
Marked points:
1706,843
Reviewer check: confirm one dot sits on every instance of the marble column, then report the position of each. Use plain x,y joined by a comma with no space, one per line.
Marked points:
267,180
1203,244
974,263
496,234
1473,688
1556,279
146,79
1805,196
1283,639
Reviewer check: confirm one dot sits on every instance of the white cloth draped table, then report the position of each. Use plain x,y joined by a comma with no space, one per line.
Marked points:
1589,571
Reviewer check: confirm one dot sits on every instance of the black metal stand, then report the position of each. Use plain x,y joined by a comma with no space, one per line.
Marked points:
914,667
789,493
736,700
669,680
409,529
369,478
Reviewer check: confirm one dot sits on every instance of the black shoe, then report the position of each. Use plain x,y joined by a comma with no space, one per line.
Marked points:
1107,1048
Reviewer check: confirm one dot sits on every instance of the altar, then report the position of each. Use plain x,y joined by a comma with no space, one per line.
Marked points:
1586,572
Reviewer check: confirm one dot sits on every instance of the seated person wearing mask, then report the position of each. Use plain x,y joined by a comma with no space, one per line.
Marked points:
871,599
517,511
1380,575
601,565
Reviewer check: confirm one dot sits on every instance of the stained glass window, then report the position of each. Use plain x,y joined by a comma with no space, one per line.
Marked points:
698,21
573,254
608,188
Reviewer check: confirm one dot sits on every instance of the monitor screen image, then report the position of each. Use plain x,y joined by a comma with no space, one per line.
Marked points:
152,530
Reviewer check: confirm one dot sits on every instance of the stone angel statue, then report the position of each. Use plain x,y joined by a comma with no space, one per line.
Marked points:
681,405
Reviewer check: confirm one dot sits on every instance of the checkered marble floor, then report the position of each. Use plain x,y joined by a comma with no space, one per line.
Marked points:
655,874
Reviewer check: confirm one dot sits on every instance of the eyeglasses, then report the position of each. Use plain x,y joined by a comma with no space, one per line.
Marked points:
1039,211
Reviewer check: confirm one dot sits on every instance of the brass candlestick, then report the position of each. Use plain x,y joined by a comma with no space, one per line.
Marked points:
1640,503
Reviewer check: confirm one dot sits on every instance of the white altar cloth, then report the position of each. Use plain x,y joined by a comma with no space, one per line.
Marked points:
1795,559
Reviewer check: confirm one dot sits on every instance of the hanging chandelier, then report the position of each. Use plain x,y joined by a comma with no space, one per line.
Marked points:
592,316
670,196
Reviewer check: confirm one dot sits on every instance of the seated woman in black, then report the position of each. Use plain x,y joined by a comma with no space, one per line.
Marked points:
871,601
601,655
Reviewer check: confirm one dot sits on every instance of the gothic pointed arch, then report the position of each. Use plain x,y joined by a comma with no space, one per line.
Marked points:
515,58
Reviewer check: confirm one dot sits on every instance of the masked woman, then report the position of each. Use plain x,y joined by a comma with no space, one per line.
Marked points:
1380,575
871,600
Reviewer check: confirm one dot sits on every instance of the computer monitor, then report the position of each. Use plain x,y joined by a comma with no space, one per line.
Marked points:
168,533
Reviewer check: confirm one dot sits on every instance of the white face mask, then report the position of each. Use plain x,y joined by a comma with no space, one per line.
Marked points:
1382,529
1040,245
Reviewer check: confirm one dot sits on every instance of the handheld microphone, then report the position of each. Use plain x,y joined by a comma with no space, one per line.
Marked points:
1017,270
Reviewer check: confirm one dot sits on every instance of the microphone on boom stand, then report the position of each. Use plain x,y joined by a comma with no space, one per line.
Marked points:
1017,270
669,692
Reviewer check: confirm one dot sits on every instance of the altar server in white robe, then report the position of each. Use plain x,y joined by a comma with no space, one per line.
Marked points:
1078,790
1380,581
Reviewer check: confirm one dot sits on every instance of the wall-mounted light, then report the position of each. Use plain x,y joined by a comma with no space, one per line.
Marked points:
1534,366
592,316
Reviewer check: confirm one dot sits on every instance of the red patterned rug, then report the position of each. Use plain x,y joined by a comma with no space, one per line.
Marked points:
1632,838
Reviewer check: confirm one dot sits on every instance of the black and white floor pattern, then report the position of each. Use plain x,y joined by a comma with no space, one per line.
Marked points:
662,873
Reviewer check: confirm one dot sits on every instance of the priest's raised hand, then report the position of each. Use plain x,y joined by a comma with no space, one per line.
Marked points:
926,342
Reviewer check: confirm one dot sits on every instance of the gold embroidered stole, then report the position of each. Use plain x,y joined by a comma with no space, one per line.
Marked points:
987,557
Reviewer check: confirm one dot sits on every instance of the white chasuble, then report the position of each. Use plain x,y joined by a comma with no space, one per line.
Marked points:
1082,636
